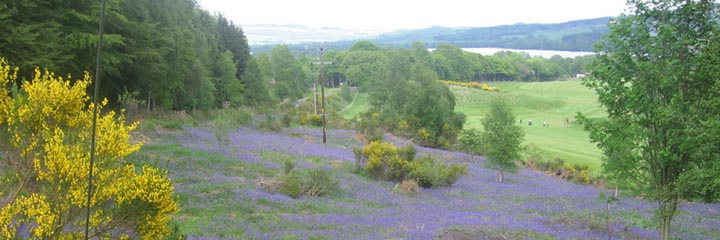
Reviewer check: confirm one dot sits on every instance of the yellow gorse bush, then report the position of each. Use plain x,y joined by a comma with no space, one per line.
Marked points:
45,129
384,161
475,85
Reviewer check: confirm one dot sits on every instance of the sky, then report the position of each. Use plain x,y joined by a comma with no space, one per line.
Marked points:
409,14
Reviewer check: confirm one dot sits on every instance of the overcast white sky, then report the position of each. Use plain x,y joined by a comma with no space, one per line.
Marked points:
409,14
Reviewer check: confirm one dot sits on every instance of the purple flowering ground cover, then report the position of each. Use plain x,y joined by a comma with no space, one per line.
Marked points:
218,187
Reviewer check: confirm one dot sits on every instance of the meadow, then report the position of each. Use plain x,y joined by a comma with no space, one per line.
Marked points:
551,102
219,185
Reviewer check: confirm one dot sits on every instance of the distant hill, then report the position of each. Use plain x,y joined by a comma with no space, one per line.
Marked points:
267,34
579,35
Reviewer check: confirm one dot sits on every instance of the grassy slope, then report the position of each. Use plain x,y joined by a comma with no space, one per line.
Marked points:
220,198
547,101
360,104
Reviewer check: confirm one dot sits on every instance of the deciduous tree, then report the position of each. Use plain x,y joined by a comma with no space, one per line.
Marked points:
653,74
502,138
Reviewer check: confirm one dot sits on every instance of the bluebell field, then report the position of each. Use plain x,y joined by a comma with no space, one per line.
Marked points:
220,199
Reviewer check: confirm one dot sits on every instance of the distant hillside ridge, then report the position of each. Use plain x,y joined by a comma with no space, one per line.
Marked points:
578,35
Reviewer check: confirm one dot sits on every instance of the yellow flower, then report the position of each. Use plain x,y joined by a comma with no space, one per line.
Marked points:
48,125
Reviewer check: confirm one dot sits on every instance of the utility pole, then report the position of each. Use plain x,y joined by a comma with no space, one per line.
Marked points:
322,92
315,96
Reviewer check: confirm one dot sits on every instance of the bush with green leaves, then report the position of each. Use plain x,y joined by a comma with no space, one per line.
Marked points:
370,126
407,152
470,141
270,123
310,119
384,161
291,185
360,159
579,173
387,162
314,182
428,172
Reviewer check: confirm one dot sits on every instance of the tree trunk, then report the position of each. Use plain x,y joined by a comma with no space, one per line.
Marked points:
667,211
500,176
665,231
609,229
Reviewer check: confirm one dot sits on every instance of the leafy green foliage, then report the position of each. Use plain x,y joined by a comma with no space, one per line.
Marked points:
387,162
428,172
414,104
168,51
271,123
291,185
291,81
44,146
384,161
315,182
229,87
470,141
655,76
502,137
310,119
365,68
257,91
346,93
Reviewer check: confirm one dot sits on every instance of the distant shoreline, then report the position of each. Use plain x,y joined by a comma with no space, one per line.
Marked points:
532,52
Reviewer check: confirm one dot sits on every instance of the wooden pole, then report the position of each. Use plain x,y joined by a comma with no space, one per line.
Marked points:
322,92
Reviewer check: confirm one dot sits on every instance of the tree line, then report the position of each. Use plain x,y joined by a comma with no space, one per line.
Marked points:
170,52
365,60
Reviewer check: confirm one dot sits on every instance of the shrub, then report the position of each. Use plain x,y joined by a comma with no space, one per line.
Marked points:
270,124
369,126
579,173
291,185
408,152
554,165
286,120
320,182
360,159
430,173
387,162
384,161
232,117
409,187
310,119
316,182
470,141
45,144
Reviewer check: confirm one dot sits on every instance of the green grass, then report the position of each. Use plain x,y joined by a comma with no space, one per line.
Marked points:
360,104
542,101
537,101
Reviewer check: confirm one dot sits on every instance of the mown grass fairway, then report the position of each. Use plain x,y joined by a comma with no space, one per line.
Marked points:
537,101
550,102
